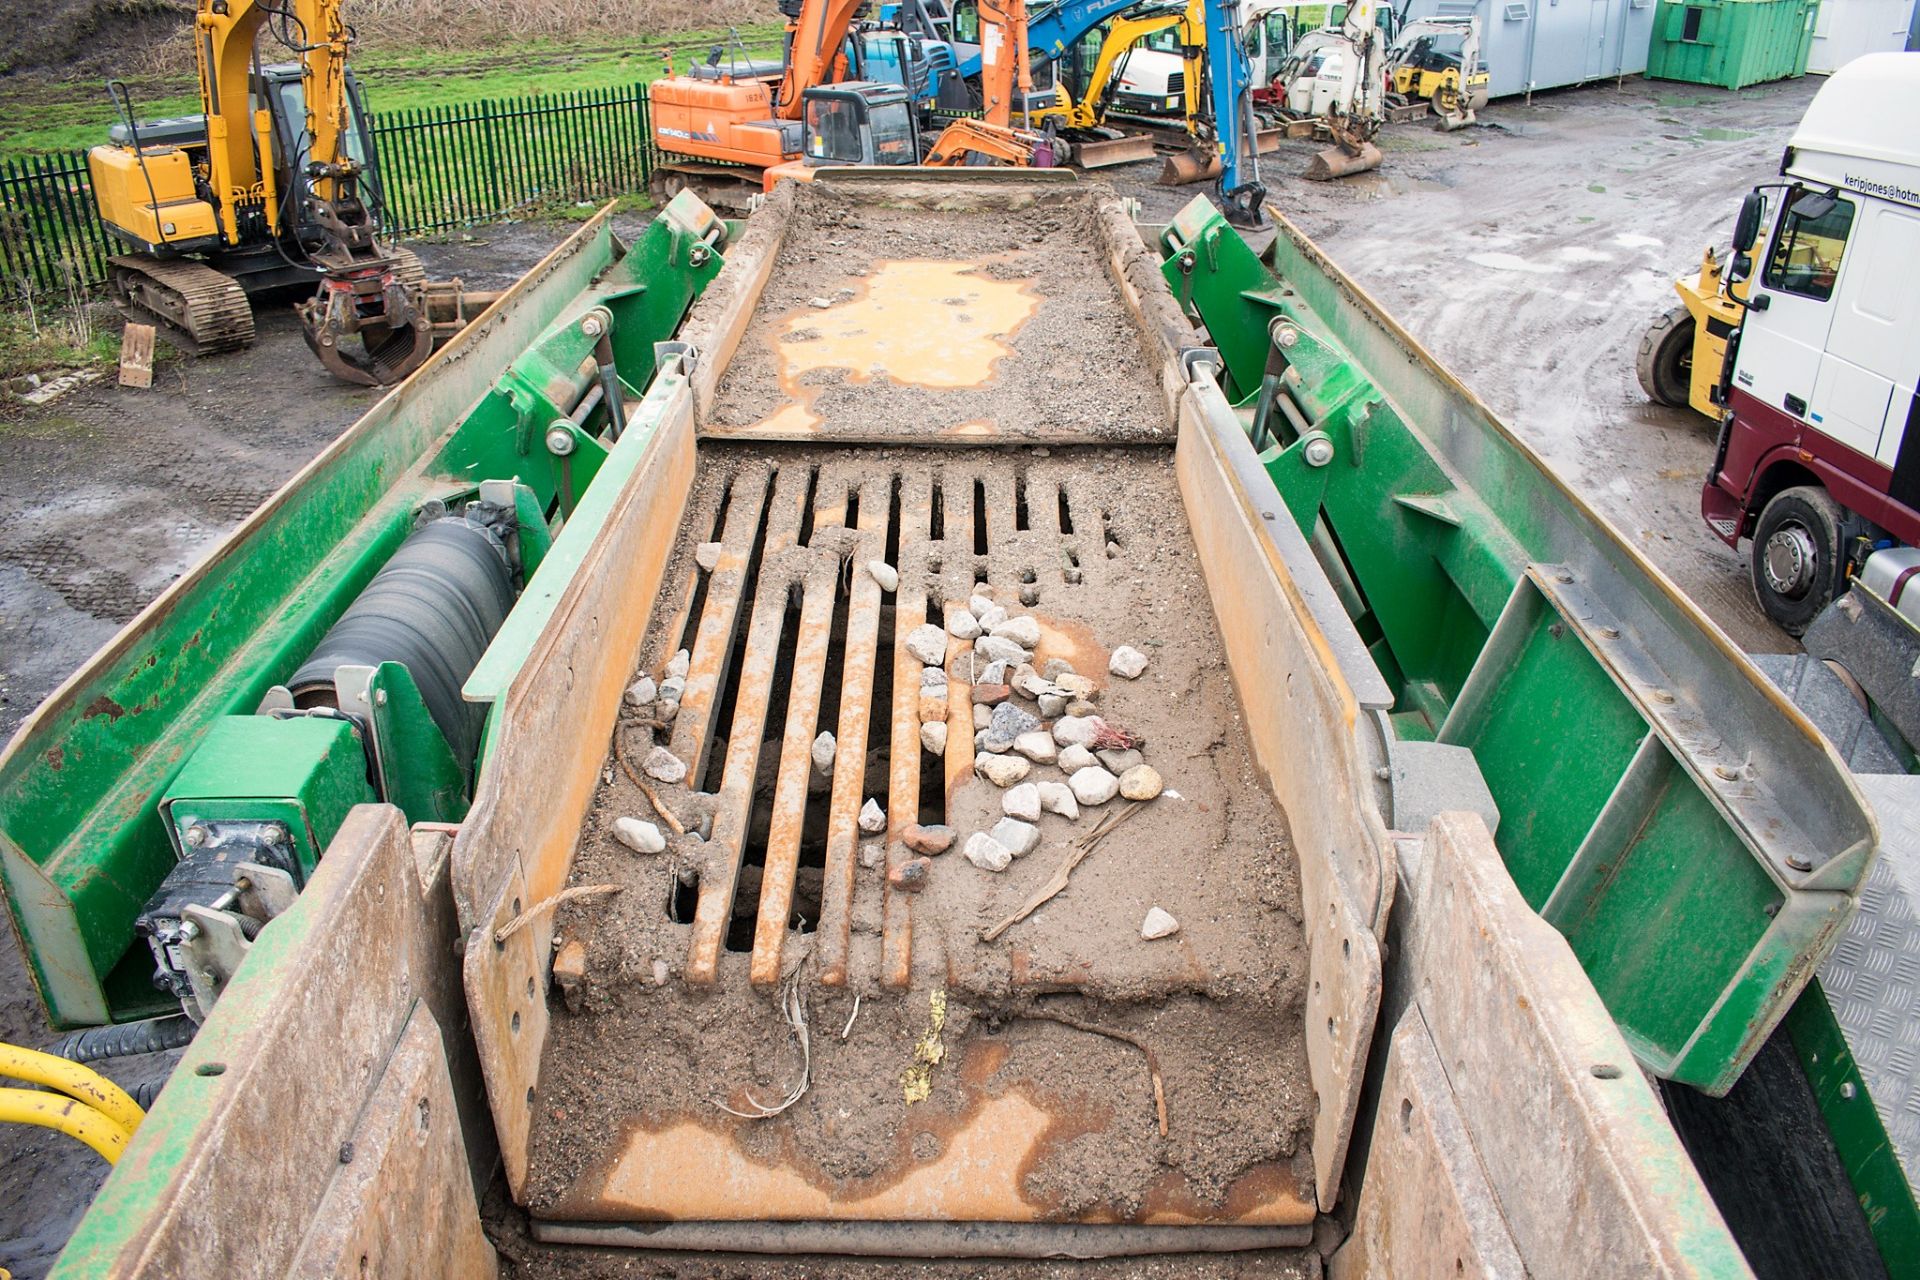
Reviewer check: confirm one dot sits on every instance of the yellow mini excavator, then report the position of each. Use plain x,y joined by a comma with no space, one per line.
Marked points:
272,187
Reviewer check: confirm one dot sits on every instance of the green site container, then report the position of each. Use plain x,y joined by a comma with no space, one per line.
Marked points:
1731,43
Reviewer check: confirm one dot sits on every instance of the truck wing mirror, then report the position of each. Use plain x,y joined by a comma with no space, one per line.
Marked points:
1748,225
1740,266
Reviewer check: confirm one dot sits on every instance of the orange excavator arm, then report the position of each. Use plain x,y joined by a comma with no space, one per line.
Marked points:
814,45
1004,65
964,138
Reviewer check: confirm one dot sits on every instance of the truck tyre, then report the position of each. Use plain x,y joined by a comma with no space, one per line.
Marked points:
1665,362
1795,558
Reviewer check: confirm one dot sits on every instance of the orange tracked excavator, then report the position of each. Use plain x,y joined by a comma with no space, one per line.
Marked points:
734,127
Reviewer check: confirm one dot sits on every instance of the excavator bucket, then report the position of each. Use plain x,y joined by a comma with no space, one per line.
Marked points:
368,324
1337,162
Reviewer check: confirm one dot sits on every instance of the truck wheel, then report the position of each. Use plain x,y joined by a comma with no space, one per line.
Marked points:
1795,557
1665,363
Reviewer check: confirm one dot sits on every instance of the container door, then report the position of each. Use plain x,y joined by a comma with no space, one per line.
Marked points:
1781,346
1599,26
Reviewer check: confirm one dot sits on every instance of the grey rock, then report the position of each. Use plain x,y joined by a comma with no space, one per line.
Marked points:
992,673
979,604
933,737
1057,797
1118,762
986,853
1075,758
1008,723
1001,771
823,750
962,625
1094,785
991,616
663,766
982,715
1052,705
707,555
1056,667
1023,630
642,691
1127,662
1075,731
999,649
1022,802
1158,924
885,574
678,665
873,819
1036,745
1015,836
933,677
928,643
641,837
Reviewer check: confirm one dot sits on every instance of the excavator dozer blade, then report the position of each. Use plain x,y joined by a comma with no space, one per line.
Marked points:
1102,153
1338,162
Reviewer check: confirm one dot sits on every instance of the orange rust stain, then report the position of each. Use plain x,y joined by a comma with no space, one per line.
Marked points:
1074,641
103,706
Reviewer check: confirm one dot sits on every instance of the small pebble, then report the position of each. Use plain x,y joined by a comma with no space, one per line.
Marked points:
1075,686
707,555
962,625
933,677
872,854
1015,836
928,643
660,972
672,688
1037,746
1028,681
678,666
1055,668
927,840
885,574
641,837
982,716
999,649
1127,662
1052,705
873,819
1142,782
1057,797
912,875
933,704
823,749
1001,771
1009,723
1081,707
820,304
1075,758
992,673
663,766
1023,631
991,616
1094,785
642,691
986,853
1118,762
1158,924
1022,802
933,738
979,604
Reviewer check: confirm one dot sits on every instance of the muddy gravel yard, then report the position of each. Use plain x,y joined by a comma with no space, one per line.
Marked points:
1528,254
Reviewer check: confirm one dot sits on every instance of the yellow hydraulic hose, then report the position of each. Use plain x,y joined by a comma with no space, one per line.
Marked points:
69,1115
95,1110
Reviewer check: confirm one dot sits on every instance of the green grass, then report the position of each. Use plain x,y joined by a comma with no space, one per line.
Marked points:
39,116
52,349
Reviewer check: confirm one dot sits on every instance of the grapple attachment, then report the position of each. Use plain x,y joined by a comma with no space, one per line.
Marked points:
368,323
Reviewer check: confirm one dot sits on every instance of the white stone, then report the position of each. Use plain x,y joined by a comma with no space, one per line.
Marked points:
1015,836
1118,762
962,625
933,677
1075,731
1001,771
1127,662
660,972
1037,746
820,304
1158,924
885,574
707,555
928,643
672,688
991,616
1142,782
679,665
872,854
823,749
1093,785
663,766
1075,686
992,673
986,853
1075,758
1023,631
933,737
979,604
1022,802
641,837
642,691
999,649
873,819
1052,704
1057,797
982,716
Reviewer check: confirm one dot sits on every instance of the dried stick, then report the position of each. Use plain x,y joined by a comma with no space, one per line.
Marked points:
653,797
1085,845
794,1008
1124,1037
527,917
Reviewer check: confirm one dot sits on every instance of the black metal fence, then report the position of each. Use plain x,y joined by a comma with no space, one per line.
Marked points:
440,168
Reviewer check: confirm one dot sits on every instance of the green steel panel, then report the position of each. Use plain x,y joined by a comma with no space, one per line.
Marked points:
306,772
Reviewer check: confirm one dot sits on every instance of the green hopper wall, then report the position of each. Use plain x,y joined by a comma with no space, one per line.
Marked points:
1731,43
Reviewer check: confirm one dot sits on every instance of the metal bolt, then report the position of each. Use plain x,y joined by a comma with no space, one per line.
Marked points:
1727,772
1799,862
698,255
380,697
196,836
1846,1089
1318,453
1662,697
560,441
590,325
1563,576
1609,633
1286,335
189,931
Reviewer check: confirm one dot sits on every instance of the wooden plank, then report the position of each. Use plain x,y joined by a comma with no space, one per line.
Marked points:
754,691
796,745
903,760
719,616
136,355
850,754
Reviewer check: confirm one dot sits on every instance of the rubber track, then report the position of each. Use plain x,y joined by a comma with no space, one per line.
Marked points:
217,315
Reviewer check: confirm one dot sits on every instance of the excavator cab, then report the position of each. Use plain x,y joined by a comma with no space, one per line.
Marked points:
860,123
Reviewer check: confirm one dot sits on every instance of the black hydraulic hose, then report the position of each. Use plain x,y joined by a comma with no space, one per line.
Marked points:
126,1039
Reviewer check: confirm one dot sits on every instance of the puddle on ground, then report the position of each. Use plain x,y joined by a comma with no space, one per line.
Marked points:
1723,135
1510,262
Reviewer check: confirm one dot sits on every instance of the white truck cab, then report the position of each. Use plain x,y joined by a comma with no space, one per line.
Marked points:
1819,455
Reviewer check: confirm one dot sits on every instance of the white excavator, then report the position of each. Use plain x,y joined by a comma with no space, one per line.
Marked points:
1336,77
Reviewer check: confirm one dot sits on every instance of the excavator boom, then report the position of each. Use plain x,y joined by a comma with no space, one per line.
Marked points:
815,40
